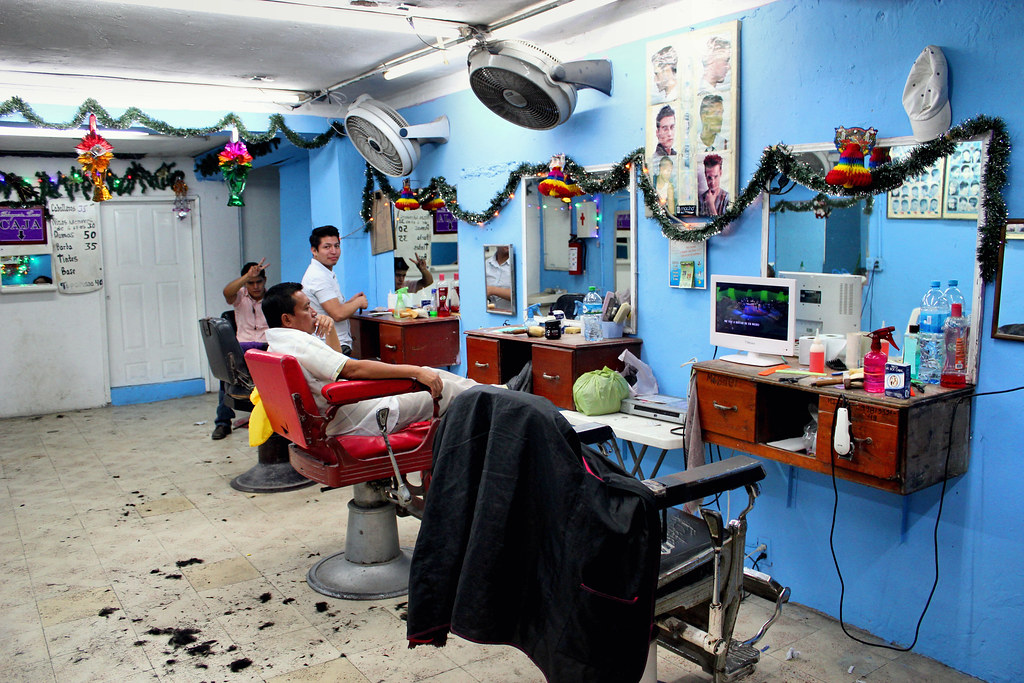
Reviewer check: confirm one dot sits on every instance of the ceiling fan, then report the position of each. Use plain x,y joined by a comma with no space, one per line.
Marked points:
525,85
386,140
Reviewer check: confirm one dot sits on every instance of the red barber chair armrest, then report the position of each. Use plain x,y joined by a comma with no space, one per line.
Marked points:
353,391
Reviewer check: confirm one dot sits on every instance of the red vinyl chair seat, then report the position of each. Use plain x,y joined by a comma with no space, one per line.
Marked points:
336,460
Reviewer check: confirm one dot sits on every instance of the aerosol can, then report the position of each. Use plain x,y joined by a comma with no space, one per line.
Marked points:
874,360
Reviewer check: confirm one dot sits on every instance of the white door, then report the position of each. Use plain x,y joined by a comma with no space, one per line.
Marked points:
151,294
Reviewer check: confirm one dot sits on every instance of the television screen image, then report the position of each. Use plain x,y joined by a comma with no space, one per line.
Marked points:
756,315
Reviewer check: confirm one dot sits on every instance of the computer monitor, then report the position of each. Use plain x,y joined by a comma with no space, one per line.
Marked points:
828,303
755,315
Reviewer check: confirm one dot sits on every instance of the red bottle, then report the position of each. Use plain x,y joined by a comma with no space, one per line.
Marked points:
443,309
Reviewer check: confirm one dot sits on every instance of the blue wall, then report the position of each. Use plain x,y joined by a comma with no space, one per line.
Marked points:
806,67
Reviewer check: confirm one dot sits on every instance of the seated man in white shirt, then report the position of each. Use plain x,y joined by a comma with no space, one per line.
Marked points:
294,327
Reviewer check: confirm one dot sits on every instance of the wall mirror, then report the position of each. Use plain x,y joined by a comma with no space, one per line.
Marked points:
426,247
499,278
1008,319
897,253
605,251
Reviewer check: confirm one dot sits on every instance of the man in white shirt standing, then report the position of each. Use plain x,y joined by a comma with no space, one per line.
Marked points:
321,285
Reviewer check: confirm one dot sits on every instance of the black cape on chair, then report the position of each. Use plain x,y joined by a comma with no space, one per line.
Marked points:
530,540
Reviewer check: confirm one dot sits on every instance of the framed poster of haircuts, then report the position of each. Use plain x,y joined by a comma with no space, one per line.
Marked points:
692,119
920,196
961,194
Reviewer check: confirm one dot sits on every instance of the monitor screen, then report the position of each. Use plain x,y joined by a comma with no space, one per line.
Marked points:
753,314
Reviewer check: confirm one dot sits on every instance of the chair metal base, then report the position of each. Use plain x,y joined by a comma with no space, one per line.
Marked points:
273,473
372,566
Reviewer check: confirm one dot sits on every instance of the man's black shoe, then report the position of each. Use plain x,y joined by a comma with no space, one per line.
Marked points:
220,431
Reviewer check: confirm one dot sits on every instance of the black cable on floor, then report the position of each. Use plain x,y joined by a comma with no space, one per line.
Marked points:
935,532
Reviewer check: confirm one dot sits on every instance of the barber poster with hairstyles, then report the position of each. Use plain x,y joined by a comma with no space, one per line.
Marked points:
692,119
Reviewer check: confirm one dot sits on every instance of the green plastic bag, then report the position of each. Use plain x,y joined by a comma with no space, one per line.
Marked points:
599,392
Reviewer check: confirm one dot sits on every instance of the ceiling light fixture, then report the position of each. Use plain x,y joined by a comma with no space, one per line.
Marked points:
297,12
15,131
542,17
404,68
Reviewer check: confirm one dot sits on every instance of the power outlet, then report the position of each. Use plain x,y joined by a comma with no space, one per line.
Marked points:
755,549
875,265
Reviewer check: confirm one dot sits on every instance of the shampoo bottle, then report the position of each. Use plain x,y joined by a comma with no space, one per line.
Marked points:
817,355
910,356
874,360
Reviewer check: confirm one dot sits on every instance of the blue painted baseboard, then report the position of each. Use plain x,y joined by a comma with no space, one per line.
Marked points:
149,393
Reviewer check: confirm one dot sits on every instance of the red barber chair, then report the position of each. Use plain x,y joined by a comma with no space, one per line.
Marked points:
373,565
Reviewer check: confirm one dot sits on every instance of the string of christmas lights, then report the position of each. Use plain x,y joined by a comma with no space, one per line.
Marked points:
775,160
135,177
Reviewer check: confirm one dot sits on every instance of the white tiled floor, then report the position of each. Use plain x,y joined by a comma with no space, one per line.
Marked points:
119,536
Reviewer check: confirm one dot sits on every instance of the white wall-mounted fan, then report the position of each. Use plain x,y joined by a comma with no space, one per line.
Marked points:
386,140
523,84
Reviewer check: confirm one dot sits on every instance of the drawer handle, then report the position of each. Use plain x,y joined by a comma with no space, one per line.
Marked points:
390,347
481,365
721,407
551,377
866,441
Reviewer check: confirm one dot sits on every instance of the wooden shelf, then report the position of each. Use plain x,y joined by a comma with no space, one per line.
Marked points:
900,445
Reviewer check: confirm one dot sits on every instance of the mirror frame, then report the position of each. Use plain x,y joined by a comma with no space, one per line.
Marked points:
978,291
633,325
515,289
996,334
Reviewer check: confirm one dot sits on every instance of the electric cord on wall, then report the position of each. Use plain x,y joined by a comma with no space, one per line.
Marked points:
844,402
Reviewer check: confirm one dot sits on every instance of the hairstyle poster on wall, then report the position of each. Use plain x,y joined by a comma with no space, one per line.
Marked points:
692,119
961,194
918,197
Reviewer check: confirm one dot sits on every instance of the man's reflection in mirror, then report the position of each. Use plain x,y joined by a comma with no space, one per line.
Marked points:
402,270
498,274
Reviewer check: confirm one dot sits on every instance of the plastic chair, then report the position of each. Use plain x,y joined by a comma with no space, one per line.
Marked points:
372,565
272,473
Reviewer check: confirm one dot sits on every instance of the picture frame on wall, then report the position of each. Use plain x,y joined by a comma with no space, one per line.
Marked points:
920,196
1015,229
961,192
692,119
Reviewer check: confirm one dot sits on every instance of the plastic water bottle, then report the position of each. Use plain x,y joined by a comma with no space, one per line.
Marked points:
955,296
955,332
592,315
930,338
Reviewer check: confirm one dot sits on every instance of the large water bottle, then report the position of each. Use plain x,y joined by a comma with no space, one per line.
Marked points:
930,336
955,296
592,315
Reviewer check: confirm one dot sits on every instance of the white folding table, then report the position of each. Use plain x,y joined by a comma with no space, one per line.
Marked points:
634,429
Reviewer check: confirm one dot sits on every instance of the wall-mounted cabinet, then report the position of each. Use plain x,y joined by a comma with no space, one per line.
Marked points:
900,445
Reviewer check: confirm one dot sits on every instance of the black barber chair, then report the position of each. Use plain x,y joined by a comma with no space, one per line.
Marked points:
697,586
273,472
566,303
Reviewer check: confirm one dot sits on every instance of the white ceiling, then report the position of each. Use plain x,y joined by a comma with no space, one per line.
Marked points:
267,56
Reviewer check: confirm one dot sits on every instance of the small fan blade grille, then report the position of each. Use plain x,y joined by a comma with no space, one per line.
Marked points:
499,88
375,146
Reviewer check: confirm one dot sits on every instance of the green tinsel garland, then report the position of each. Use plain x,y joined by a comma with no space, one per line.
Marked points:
135,177
613,180
134,115
774,160
808,205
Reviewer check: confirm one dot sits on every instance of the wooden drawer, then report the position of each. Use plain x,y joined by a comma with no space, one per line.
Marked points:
392,346
877,451
553,375
726,406
483,360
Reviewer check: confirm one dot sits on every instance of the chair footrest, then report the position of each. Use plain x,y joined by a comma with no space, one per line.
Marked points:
740,661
